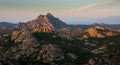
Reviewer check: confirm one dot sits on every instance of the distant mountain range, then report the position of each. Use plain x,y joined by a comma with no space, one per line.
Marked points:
6,24
84,27
53,23
110,20
90,20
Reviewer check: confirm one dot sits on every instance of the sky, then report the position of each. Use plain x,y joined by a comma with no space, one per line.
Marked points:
67,10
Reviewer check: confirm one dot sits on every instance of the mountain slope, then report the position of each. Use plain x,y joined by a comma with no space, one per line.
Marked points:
43,21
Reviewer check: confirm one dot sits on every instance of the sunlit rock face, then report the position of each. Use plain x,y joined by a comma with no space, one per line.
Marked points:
42,30
94,33
40,21
99,32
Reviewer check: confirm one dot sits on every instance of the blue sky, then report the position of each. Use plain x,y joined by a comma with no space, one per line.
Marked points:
67,10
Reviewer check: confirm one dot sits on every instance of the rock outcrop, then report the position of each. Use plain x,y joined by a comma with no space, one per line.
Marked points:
27,46
42,30
51,52
99,32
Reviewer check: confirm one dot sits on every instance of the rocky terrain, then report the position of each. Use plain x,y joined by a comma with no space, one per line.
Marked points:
49,41
99,32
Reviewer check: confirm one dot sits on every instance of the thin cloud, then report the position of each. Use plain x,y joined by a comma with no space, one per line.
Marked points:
99,9
96,4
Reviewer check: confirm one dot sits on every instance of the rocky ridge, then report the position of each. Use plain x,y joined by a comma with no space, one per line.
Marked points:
99,32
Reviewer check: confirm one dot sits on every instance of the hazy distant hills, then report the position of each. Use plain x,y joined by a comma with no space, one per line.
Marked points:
90,20
111,20
6,24
112,26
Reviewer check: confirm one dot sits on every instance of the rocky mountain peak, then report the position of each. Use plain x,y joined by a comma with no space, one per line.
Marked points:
48,21
44,21
49,14
44,16
40,17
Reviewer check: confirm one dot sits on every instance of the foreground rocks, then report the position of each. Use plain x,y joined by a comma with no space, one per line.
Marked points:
28,49
51,52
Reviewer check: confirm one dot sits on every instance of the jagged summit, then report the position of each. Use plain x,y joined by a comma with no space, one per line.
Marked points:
43,16
49,14
39,17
